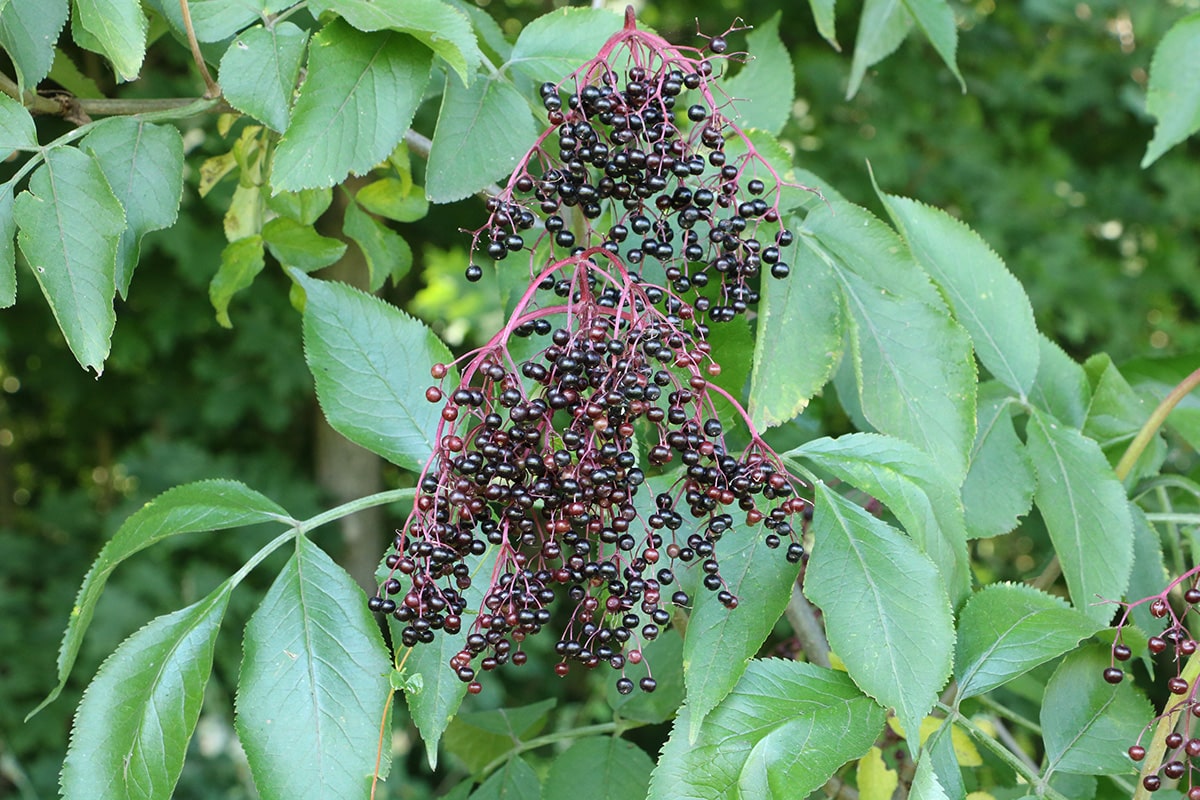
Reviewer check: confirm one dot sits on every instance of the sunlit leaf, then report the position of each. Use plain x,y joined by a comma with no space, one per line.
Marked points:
260,69
1173,95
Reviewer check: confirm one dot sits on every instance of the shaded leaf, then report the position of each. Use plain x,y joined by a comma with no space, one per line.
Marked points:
259,72
555,44
665,656
480,737
313,684
394,199
615,770
1086,513
17,130
1000,482
132,728
1116,414
28,33
241,261
305,206
143,164
482,130
204,506
882,26
217,20
783,730
116,30
822,11
516,780
69,223
764,89
936,20
1149,573
1005,630
1087,723
925,785
354,107
1061,387
1173,94
296,245
8,250
870,582
385,251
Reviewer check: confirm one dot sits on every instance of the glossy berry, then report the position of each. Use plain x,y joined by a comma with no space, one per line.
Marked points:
1174,740
1177,686
648,684
1137,752
1174,770
624,685
1113,675
1152,783
1192,595
1121,652
1159,608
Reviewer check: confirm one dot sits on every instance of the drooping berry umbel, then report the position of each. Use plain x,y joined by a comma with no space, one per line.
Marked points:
646,216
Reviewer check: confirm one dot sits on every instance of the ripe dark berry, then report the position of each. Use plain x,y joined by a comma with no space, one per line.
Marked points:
1194,793
1192,595
1113,675
1177,686
1156,644
474,273
1174,770
648,684
717,44
1152,783
1121,652
1193,748
624,685
1137,752
1159,608
780,270
1174,740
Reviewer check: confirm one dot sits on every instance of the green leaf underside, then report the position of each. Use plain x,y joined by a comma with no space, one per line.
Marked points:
305,206
720,642
132,728
882,26
69,223
801,316
1086,513
985,297
764,89
117,29
313,686
259,72
1173,94
555,44
296,245
8,250
17,129
1005,630
870,582
480,737
516,780
936,19
482,131
617,769
28,33
1116,414
440,27
204,506
823,16
364,355
217,20
1087,724
385,251
241,261
999,486
909,483
358,100
143,164
783,730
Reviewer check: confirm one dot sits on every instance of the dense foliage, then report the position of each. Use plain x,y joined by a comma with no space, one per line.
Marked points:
601,318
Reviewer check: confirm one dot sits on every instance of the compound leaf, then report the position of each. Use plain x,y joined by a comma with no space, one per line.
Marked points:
260,69
314,683
69,223
1173,95
358,100
132,728
478,738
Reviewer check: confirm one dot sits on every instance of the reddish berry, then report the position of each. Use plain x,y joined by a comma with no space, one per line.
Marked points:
1177,686
433,394
1159,608
1174,739
1156,644
1152,783
1192,595
1174,770
1137,752
438,371
1113,675
1121,652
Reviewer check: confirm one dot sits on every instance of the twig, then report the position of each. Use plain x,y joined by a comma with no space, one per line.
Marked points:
61,103
803,618
212,90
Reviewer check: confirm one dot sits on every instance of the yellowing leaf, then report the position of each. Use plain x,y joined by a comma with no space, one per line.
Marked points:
835,661
964,748
981,796
875,780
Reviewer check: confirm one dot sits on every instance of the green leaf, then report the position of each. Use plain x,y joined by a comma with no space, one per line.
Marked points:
259,72
615,770
516,780
1062,386
117,31
1173,94
783,730
983,295
925,785
822,11
28,33
719,642
1156,377
385,251
143,164
870,582
8,251
764,89
915,373
371,362
17,130
67,74
555,44
665,656
241,261
314,683
296,245
936,20
1086,723
480,737
1115,416
999,486
394,199
217,20
1086,513
1005,630
69,223
132,728
443,693
802,316
482,131
911,485
882,26
1149,574
354,107
442,28
305,206
487,30
203,506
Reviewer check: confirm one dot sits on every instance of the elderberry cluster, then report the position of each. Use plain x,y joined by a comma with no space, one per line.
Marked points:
541,462
1182,756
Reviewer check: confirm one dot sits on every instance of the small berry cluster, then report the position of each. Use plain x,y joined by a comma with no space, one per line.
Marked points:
538,459
1182,755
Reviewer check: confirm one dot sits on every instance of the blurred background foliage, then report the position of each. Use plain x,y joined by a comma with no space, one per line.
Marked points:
1040,156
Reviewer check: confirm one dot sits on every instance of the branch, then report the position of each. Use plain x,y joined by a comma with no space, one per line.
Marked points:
80,110
212,90
803,618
